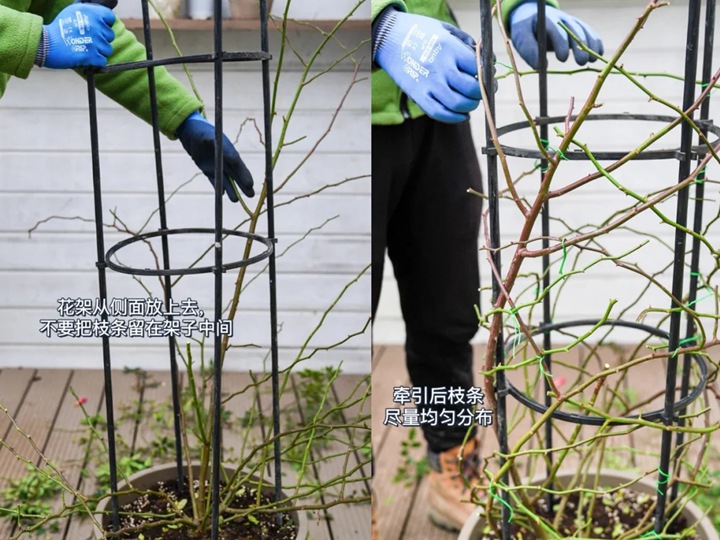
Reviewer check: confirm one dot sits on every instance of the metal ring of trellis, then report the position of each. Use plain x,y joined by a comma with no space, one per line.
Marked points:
218,57
685,154
590,420
117,267
603,155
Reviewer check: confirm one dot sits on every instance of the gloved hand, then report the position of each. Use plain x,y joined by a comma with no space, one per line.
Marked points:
79,36
523,28
197,136
431,61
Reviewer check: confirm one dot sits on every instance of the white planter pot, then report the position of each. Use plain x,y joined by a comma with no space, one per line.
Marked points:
149,478
132,9
205,9
321,9
472,530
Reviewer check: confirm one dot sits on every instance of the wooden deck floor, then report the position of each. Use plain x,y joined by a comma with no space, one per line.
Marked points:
400,506
44,407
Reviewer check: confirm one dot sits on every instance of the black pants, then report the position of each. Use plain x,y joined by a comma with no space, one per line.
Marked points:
423,215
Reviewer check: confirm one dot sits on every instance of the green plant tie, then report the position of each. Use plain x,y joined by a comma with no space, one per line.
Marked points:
651,534
542,368
553,149
503,502
662,481
564,259
684,342
516,330
708,295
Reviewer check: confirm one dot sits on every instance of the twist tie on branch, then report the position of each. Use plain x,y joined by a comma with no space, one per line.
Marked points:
502,501
651,534
704,86
708,295
663,480
542,367
564,259
701,172
553,149
517,337
684,342
537,164
503,65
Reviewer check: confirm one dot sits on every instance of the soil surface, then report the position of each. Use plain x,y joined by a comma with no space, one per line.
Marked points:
262,526
612,516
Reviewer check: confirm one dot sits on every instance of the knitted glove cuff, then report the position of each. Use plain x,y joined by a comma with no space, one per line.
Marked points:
382,26
43,48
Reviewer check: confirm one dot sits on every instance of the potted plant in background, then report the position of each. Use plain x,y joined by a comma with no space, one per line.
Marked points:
579,417
184,512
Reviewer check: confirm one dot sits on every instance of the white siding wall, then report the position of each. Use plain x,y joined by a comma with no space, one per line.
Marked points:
659,48
46,171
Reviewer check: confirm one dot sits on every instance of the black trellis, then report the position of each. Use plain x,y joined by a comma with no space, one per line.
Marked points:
673,409
217,58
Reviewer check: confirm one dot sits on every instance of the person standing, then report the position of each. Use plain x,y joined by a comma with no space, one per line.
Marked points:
71,35
424,88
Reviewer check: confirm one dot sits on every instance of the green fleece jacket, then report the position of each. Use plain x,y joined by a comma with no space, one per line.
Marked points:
20,30
386,96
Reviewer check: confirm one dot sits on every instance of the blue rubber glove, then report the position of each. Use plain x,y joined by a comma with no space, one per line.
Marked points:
197,136
523,23
431,61
80,36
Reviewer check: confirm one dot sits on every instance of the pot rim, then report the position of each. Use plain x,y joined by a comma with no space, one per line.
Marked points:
691,511
169,468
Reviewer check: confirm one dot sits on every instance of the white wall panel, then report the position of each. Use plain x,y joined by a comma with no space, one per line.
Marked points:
324,239
659,48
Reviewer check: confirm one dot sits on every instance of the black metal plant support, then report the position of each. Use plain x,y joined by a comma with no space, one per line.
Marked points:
104,258
673,410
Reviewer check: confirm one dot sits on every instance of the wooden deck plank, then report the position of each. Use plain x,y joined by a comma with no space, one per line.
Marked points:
393,500
63,445
238,441
350,521
125,390
318,523
419,526
35,417
14,384
156,394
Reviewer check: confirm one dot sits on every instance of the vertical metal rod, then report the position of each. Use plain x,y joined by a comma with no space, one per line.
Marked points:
545,224
691,58
488,78
102,283
269,186
217,371
697,227
167,282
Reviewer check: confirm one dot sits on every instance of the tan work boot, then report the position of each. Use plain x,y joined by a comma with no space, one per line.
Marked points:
448,487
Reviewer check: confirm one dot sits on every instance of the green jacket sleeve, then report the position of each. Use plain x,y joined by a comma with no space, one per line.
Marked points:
378,5
19,40
130,88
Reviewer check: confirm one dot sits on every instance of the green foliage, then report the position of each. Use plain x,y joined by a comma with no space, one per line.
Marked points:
313,386
709,499
410,470
127,465
27,501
